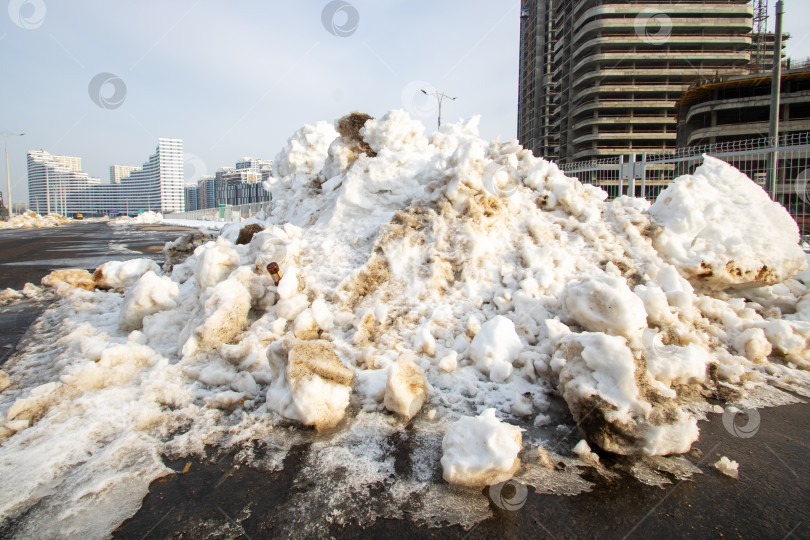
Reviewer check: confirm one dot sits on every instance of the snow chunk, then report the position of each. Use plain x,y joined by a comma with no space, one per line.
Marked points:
225,310
395,131
583,450
151,294
753,344
305,326
448,362
122,274
75,277
671,364
305,152
495,347
317,386
727,467
215,262
481,450
605,304
406,390
721,229
598,381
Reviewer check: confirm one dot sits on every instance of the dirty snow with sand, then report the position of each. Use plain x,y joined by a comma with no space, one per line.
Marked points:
463,287
32,220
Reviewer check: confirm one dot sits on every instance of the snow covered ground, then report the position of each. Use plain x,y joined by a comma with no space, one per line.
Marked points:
457,285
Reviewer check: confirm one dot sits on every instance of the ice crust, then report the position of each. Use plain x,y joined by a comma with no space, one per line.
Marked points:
446,289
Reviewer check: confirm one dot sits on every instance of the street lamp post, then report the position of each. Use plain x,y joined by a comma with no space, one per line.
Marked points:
6,135
776,89
439,97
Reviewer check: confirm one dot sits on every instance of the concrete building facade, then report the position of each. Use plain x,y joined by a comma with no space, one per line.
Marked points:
737,108
601,78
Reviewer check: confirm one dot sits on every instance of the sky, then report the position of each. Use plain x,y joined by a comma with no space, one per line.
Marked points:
102,80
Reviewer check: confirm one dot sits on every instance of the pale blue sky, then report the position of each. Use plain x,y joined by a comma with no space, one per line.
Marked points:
237,78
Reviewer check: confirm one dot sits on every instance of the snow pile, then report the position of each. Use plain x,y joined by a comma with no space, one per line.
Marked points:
145,218
443,288
722,229
32,220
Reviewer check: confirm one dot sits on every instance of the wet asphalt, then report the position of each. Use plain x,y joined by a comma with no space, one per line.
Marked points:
771,499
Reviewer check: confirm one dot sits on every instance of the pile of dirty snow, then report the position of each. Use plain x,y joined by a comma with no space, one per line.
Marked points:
462,297
32,220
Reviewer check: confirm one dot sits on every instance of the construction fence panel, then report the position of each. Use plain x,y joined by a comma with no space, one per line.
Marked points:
228,214
651,174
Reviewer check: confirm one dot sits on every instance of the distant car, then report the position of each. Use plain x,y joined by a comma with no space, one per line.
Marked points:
79,216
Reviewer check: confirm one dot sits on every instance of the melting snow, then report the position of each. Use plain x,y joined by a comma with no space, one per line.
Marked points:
448,282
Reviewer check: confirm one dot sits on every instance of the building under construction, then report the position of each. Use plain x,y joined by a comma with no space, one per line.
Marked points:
601,78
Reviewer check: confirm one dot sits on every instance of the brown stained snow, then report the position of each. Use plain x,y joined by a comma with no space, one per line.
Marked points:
368,280
75,277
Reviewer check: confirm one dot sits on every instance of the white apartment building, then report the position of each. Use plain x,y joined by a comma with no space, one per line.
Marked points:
57,184
119,172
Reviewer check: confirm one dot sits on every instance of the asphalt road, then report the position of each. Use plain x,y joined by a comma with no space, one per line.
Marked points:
771,499
27,255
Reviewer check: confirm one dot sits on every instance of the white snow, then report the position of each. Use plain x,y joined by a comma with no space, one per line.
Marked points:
495,347
144,218
413,280
723,229
122,274
480,450
728,467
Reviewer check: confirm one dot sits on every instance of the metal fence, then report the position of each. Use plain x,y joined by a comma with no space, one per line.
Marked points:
228,213
648,174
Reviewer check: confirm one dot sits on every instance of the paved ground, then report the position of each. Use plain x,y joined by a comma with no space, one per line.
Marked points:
26,255
770,500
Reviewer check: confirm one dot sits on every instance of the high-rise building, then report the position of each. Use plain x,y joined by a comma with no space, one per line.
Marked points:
206,192
601,78
57,184
191,197
119,172
242,184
